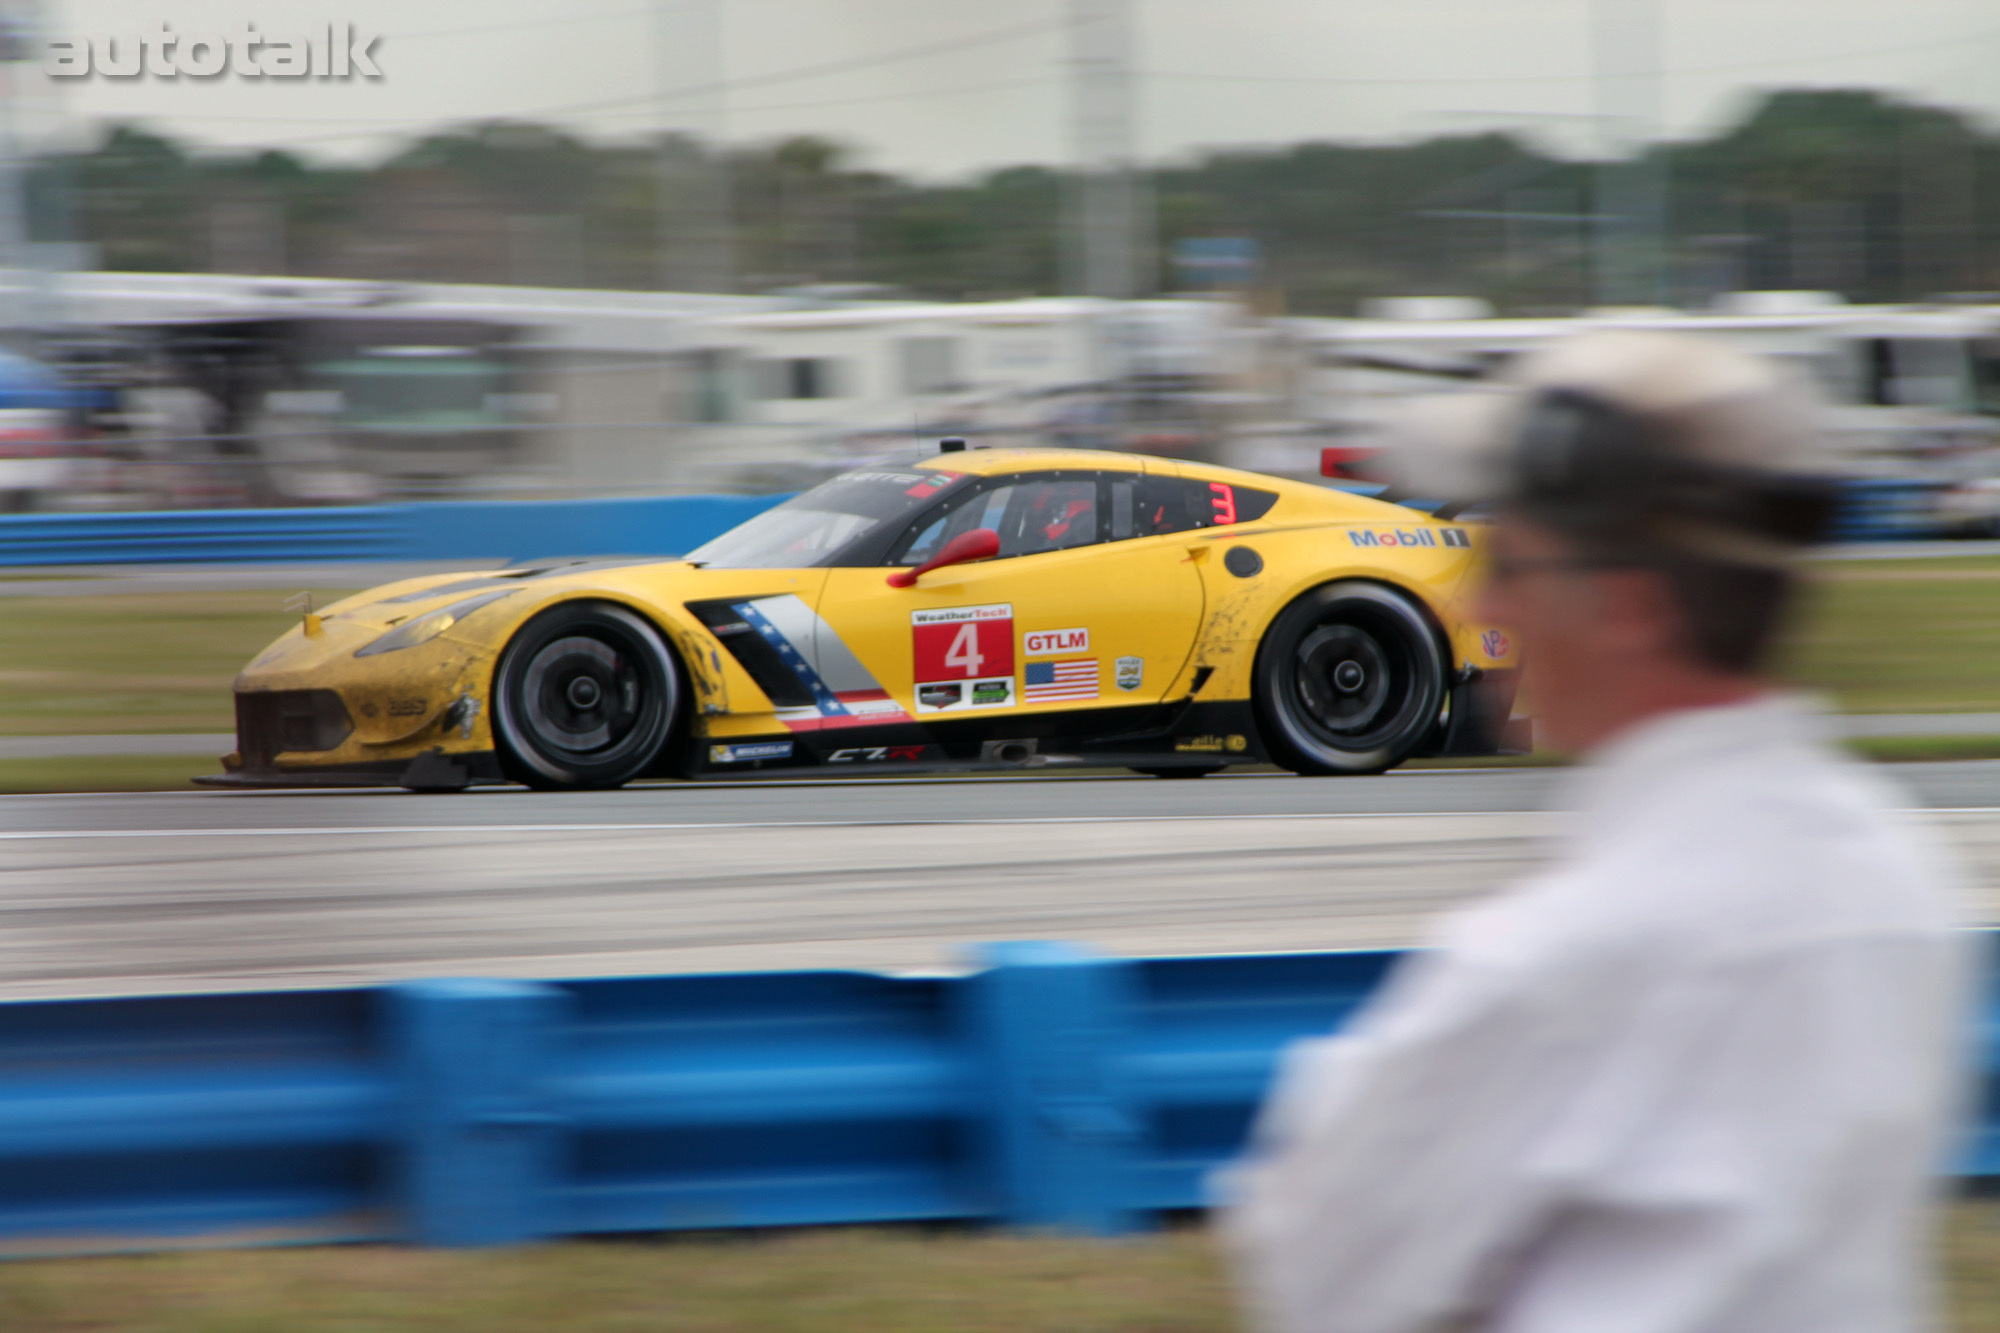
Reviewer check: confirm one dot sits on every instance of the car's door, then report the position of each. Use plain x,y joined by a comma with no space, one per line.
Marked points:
1079,609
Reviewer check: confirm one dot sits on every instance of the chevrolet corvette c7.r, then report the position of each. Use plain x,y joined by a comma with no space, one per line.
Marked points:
982,609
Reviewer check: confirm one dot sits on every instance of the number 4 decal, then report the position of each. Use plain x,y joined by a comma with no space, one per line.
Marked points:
964,655
962,643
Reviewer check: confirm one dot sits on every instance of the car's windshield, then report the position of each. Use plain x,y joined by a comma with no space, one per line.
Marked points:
814,528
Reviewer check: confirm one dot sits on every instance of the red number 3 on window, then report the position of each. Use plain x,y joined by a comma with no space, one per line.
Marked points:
1224,501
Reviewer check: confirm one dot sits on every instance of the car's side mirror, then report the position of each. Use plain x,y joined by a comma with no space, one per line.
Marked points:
978,544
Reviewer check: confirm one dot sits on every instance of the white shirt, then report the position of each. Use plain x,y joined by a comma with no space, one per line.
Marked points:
1698,1076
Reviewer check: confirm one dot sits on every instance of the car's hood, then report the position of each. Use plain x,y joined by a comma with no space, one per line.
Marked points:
392,603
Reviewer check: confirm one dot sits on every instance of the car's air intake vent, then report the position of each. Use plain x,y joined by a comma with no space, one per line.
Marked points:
274,721
781,684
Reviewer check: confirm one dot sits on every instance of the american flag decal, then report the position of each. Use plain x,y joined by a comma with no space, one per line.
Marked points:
1049,682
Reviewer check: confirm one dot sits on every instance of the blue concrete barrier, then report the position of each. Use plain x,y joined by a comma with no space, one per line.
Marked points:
498,530
1050,1087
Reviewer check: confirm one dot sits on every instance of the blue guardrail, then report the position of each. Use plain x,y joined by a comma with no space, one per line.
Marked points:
1886,510
1049,1088
499,530
509,530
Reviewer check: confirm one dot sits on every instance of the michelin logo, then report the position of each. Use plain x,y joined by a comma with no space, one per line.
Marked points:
1409,537
743,754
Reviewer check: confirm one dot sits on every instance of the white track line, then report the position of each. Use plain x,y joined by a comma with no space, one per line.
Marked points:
425,830
420,830
732,784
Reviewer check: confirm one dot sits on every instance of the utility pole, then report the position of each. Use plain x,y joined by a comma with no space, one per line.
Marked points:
1629,242
27,302
695,244
1109,241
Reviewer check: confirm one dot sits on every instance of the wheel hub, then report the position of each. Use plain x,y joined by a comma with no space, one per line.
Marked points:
580,694
1344,681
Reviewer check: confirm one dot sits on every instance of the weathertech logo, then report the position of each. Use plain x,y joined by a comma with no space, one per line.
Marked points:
1409,537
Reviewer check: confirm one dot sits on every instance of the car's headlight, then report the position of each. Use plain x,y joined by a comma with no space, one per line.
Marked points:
430,624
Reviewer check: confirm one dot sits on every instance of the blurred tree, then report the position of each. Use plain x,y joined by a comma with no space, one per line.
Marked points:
1886,189
134,198
1849,190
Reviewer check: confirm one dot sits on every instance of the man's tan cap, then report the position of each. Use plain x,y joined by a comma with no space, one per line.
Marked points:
1618,433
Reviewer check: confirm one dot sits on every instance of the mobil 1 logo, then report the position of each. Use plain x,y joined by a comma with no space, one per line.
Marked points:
1394,537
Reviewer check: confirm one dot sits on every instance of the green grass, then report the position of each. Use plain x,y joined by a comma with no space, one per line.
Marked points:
1972,1267
1877,636
809,1282
1918,749
108,773
1902,636
904,1281
162,663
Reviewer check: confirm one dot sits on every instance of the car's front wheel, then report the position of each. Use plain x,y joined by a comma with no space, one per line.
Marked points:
1349,679
585,697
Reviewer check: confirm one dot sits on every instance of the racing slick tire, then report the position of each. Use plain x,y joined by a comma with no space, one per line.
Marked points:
1350,678
585,697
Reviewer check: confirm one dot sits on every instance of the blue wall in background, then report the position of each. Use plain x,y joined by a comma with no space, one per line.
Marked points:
511,530
498,530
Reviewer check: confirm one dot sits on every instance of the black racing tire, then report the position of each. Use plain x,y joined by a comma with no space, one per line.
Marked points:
585,697
1182,771
1350,678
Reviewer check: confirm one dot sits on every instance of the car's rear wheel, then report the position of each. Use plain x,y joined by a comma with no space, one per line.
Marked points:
1350,678
585,697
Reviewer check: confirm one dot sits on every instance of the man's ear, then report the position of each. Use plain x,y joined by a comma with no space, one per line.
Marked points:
1638,614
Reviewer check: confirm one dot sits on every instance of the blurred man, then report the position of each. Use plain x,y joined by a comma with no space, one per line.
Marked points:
1699,1075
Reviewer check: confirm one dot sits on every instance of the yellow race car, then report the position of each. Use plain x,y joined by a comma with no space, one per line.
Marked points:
983,609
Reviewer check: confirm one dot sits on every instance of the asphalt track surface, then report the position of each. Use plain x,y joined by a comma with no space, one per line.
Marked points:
1891,726
111,894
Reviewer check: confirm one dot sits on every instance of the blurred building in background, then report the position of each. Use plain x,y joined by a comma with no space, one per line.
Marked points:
509,309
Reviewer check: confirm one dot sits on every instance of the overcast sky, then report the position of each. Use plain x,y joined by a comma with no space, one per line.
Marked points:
946,88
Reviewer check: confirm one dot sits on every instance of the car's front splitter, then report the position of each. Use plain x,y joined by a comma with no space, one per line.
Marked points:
432,770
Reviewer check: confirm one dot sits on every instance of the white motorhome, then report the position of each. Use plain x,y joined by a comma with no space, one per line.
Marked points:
1907,392
983,368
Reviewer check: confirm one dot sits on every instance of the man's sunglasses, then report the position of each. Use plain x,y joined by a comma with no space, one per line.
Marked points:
1503,568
